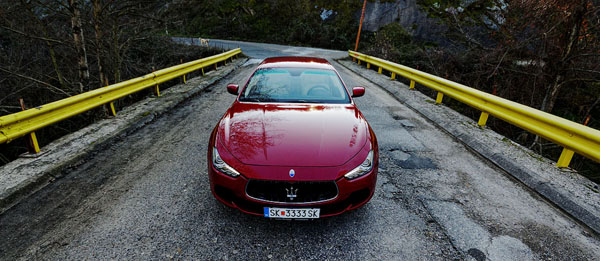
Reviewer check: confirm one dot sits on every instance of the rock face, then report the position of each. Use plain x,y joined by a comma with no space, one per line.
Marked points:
405,12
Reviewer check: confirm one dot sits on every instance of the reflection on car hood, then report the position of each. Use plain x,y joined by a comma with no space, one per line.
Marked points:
293,134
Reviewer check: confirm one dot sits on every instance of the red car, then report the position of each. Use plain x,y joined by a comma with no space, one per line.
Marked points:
293,144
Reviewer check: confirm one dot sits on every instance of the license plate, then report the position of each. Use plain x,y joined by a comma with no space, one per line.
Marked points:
292,212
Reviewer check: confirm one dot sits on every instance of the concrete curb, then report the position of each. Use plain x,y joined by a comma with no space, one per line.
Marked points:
24,176
566,189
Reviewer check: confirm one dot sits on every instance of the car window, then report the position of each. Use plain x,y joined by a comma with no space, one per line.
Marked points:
300,85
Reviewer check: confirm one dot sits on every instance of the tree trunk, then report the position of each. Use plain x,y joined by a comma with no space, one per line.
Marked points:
79,42
49,44
97,14
116,52
560,75
571,45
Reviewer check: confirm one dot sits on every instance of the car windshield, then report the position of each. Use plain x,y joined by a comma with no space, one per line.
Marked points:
302,85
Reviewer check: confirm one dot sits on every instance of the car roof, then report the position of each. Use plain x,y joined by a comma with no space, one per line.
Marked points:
295,62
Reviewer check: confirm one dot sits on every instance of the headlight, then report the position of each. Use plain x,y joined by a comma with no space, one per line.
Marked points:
221,165
362,169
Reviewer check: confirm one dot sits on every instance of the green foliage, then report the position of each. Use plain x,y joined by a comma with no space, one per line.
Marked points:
468,13
289,22
392,42
396,34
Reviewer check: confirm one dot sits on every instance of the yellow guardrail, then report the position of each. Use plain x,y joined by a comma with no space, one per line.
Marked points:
572,136
19,124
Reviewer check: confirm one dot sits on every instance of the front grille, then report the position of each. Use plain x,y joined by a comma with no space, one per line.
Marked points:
288,192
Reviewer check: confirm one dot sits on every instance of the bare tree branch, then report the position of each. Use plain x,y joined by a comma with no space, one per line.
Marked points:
32,36
35,80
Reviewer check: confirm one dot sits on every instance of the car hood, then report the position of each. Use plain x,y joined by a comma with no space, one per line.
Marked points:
293,134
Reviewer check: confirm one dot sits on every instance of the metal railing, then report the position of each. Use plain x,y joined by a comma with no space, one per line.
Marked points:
572,136
23,123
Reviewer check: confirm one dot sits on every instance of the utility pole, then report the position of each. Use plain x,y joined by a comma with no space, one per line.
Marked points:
362,16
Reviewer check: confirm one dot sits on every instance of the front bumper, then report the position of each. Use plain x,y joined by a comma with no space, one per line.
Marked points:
351,194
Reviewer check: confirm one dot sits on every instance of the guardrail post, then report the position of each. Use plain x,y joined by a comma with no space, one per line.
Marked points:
565,158
439,98
216,67
380,70
35,147
483,118
358,62
202,71
32,144
109,108
368,65
393,75
572,136
112,111
24,124
156,87
157,90
183,77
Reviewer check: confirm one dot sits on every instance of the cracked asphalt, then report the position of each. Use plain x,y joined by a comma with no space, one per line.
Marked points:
147,196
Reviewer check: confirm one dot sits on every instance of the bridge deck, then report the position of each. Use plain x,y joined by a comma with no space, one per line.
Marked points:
147,196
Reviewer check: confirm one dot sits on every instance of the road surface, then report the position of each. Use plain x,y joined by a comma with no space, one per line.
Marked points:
147,197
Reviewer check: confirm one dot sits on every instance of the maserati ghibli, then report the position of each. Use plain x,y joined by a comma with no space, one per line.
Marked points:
293,144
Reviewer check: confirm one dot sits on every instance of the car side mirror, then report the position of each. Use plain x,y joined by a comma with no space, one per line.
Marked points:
232,88
358,91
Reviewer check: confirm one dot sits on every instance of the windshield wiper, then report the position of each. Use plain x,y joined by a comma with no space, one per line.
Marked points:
305,101
250,99
257,99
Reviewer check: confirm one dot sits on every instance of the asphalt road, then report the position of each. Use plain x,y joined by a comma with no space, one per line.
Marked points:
147,197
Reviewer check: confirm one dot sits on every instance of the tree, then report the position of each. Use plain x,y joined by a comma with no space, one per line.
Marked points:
79,42
541,53
551,40
289,22
45,57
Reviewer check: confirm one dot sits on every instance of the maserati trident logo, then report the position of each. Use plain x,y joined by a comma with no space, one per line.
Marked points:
292,173
291,192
